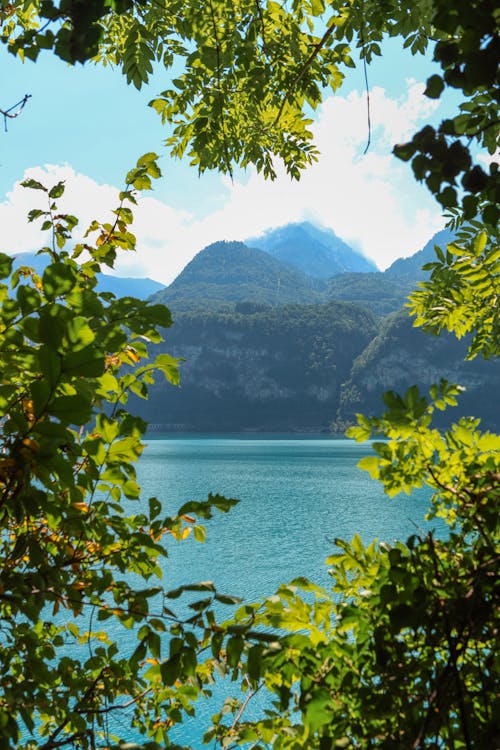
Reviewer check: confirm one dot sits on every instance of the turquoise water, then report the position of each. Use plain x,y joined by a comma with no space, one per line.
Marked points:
296,495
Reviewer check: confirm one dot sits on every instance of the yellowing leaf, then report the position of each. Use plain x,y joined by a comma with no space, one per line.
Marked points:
371,465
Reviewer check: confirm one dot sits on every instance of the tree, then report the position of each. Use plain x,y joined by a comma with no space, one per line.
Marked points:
71,541
401,652
249,70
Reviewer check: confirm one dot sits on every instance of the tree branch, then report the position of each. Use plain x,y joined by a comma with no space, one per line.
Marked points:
9,114
219,93
305,67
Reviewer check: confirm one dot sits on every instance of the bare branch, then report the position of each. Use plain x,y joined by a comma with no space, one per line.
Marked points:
12,112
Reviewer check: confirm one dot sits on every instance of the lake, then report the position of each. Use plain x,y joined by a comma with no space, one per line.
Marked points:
296,495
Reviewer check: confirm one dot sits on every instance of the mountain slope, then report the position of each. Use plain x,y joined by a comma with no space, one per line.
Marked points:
278,370
412,266
377,292
226,273
317,252
401,355
385,293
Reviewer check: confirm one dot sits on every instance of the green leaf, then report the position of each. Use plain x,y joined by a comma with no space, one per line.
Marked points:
5,265
318,711
71,409
34,185
80,335
370,464
393,401
254,662
171,669
435,87
86,362
234,647
199,533
57,190
225,599
189,662
169,366
480,242
58,279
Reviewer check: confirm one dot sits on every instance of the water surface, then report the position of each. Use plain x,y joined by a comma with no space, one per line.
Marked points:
297,494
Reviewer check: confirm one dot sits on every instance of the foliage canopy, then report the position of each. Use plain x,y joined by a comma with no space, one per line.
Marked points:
402,651
247,72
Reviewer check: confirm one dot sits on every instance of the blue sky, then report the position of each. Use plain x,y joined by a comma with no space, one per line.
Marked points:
85,125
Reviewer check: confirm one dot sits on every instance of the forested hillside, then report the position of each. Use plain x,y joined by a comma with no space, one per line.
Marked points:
304,368
278,370
401,355
378,292
225,273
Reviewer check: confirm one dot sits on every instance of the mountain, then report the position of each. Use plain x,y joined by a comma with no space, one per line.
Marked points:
226,273
401,355
377,292
317,252
412,267
276,370
121,286
387,292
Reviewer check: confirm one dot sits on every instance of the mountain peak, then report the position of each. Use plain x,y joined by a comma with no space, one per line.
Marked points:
231,272
316,251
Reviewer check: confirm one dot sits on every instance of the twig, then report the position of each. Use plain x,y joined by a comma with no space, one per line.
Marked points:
219,93
262,26
243,706
52,742
316,50
467,498
367,87
9,114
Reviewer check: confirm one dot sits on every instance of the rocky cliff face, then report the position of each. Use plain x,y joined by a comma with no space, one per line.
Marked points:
303,367
275,371
400,356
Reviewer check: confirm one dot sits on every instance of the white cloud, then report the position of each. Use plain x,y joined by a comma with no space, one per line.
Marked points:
369,200
84,197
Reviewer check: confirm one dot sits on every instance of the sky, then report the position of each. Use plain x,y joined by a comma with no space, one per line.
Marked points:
86,126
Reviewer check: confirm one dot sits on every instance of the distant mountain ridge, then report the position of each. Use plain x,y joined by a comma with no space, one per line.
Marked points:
315,251
225,275
412,266
121,286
